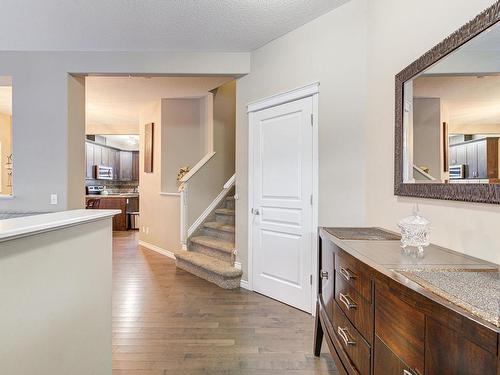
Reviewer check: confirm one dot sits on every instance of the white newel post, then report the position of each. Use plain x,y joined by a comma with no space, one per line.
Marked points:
183,189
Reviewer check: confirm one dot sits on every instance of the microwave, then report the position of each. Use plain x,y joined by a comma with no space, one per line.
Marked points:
457,172
102,172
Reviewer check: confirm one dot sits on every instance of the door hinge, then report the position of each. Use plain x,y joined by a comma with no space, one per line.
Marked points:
312,119
311,279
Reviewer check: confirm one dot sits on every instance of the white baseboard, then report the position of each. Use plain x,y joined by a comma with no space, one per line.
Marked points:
158,249
244,284
237,265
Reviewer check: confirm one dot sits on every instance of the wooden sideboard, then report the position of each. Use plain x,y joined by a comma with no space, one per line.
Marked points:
377,321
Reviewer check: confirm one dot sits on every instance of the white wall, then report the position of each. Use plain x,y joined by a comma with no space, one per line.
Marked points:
395,39
427,145
40,110
183,138
331,50
159,214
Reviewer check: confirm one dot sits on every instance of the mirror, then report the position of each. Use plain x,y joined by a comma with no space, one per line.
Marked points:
452,116
448,117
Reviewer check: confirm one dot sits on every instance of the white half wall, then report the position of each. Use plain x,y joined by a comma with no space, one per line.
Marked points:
56,301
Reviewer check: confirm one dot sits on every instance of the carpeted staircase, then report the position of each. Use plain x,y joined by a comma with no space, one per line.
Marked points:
210,253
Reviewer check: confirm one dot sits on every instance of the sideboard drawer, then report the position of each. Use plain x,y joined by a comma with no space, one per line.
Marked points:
356,348
357,309
353,272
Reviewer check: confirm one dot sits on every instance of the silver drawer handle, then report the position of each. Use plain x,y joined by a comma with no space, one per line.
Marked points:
348,275
347,301
344,334
406,372
324,275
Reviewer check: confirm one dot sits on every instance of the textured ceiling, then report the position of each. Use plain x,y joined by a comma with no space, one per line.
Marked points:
159,25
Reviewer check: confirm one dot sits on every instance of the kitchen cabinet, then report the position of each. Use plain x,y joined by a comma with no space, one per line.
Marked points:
115,203
114,162
126,165
471,157
89,160
135,165
105,156
479,156
97,155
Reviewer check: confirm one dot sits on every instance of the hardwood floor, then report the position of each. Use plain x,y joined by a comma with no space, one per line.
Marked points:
167,321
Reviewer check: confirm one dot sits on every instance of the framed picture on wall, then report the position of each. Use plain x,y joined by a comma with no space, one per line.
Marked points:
148,147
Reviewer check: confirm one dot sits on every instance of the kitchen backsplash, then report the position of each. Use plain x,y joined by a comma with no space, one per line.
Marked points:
115,186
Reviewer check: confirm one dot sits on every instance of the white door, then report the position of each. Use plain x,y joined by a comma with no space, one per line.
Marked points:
282,184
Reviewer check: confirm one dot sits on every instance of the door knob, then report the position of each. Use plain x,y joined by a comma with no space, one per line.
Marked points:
255,211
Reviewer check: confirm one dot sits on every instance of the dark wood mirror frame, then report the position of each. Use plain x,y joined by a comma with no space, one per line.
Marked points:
484,193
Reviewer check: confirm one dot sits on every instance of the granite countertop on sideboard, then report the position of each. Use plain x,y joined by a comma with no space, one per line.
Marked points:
438,274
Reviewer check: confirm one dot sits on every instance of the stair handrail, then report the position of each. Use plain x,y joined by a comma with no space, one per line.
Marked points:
197,167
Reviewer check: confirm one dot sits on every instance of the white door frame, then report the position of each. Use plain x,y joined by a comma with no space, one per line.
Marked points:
311,90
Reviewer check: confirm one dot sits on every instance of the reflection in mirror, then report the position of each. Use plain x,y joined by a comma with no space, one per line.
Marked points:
452,116
6,159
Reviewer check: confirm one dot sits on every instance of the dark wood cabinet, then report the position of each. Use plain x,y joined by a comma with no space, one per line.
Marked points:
114,162
386,362
327,276
461,155
115,203
135,165
450,352
105,157
471,157
480,157
89,160
125,165
401,326
379,324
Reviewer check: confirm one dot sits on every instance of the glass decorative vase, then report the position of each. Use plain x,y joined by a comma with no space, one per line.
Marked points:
415,231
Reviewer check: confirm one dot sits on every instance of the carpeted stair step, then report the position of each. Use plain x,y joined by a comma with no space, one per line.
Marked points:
213,246
230,202
214,270
225,215
219,230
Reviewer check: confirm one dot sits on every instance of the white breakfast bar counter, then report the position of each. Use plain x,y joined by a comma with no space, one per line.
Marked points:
55,293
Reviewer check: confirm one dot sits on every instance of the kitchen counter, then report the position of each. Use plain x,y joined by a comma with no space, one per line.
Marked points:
388,258
121,195
30,225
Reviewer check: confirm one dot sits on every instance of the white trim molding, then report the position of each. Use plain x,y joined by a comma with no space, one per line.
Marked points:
311,90
197,167
285,97
158,249
170,194
244,284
